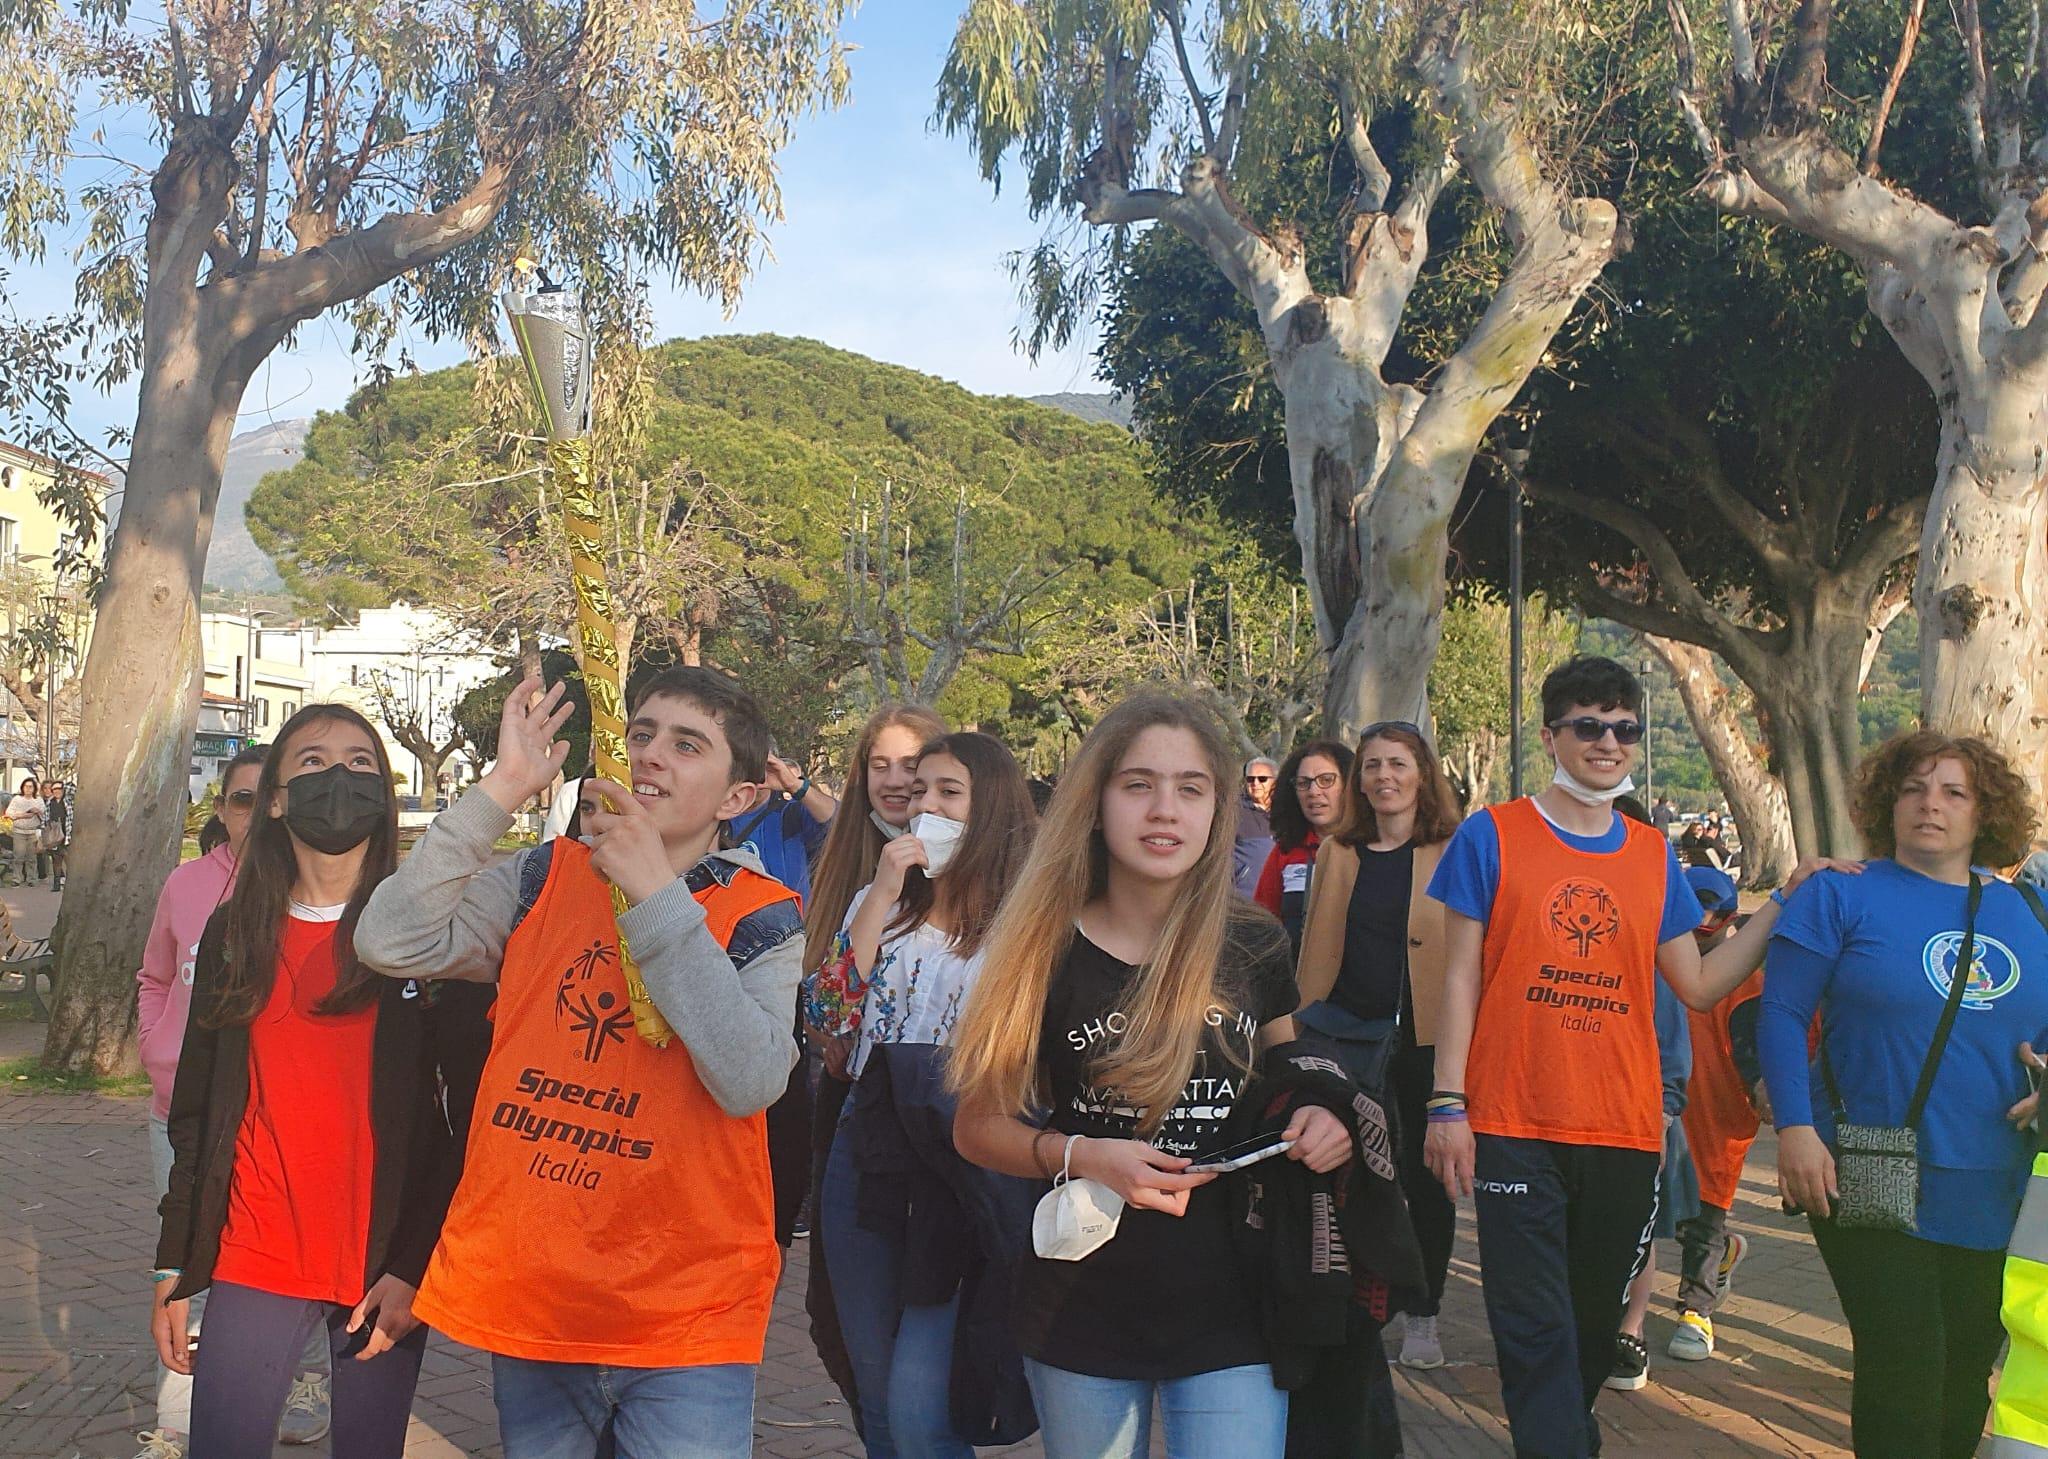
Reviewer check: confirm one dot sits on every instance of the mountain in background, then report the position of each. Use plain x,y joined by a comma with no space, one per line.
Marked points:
235,561
1107,409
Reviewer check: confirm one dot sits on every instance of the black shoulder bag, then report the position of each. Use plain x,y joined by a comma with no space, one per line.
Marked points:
1877,1167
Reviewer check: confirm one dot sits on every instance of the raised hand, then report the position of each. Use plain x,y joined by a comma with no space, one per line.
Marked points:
529,755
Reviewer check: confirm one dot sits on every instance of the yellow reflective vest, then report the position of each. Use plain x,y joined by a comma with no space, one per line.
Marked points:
2019,1414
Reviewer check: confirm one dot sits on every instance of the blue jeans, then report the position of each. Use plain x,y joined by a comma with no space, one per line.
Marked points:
1232,1413
558,1410
902,1356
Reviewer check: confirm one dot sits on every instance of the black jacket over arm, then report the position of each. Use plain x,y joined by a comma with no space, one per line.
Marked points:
417,1159
1318,1244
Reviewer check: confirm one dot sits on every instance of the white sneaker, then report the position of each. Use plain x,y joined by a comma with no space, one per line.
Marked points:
1724,1275
1419,1345
307,1412
1693,1342
161,1444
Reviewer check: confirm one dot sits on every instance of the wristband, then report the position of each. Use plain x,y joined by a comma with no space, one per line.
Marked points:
802,790
1446,1094
1778,896
166,1273
1447,1116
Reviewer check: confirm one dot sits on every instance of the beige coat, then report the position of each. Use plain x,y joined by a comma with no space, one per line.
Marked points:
1322,932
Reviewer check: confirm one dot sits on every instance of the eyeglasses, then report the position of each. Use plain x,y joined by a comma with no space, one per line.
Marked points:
1325,781
1389,724
1258,780
1590,729
241,800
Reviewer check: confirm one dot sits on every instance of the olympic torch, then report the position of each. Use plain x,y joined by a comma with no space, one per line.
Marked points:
554,340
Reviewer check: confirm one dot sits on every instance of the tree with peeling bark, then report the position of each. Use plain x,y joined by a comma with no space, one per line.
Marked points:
1952,251
1767,514
382,160
1756,797
1090,94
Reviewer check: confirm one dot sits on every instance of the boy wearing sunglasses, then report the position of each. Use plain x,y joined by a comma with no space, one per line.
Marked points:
1560,914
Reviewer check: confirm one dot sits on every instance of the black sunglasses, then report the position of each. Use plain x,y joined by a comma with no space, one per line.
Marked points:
1590,729
241,800
1389,724
1258,780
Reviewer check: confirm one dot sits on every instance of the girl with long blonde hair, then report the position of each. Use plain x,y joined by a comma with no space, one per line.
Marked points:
1123,996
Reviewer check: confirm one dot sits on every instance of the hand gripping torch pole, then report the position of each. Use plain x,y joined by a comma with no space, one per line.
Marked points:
554,340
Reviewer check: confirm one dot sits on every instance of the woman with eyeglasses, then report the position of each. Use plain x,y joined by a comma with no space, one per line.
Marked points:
1308,803
1372,969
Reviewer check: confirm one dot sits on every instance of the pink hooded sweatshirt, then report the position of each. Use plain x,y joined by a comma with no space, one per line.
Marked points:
165,982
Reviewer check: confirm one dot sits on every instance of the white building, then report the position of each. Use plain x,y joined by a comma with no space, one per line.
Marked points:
423,664
261,670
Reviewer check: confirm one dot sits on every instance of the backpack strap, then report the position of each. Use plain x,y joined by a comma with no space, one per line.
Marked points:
2034,902
533,875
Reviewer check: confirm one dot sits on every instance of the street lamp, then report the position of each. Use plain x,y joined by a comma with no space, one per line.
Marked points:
1649,764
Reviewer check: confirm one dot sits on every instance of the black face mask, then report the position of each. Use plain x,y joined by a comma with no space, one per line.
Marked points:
335,810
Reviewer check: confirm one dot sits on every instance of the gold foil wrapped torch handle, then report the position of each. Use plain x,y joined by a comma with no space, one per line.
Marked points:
553,339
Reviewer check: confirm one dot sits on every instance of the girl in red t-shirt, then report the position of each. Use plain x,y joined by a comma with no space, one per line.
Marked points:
311,1161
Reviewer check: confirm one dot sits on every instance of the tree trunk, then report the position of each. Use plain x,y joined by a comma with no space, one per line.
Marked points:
1982,587
1756,798
430,776
141,701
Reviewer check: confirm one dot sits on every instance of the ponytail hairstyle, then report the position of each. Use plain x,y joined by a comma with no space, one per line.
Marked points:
992,848
847,862
261,899
994,1060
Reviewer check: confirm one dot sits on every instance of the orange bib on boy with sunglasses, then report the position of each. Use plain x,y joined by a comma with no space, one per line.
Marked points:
609,1210
1565,1044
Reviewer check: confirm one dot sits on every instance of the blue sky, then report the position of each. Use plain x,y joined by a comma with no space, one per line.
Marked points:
892,246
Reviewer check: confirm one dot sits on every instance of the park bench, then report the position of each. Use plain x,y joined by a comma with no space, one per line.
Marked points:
22,962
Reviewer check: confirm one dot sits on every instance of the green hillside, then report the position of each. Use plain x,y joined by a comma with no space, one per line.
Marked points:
791,430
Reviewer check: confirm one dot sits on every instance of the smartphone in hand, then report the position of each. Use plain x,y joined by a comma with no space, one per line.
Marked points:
1238,1156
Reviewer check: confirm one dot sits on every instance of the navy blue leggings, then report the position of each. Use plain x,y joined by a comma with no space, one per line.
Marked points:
243,1372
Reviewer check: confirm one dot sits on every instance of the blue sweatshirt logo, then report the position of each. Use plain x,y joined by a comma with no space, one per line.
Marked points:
1994,973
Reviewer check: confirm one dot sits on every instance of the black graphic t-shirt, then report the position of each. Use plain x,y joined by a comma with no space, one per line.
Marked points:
1164,1297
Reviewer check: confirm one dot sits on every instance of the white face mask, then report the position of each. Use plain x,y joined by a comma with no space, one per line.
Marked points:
941,837
1579,791
1076,1216
889,832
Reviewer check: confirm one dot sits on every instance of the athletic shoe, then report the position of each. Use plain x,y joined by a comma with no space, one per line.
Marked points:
1419,1345
1631,1363
1724,1275
1694,1340
161,1444
307,1413
800,1229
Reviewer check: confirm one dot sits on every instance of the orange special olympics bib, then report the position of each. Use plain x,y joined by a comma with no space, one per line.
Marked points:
1565,1047
609,1210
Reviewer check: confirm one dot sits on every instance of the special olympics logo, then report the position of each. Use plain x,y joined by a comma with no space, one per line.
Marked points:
1994,972
1582,916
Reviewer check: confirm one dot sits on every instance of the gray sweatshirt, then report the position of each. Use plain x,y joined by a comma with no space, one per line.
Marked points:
448,910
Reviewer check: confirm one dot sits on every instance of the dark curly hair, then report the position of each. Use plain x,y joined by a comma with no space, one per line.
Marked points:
2006,818
1288,821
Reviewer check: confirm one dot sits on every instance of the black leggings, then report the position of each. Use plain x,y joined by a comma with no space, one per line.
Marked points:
1413,1076
1923,1319
243,1373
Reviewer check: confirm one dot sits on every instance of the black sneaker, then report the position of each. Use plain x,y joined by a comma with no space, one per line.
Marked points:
1631,1363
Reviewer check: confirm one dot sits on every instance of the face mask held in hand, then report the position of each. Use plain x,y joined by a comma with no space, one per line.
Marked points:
335,810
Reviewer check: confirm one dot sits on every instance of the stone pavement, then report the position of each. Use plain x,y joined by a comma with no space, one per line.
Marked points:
78,1375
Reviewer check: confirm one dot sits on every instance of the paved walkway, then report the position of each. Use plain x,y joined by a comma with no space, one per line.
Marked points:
77,1373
